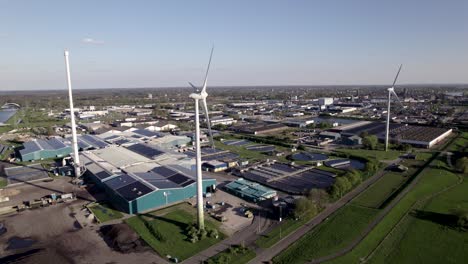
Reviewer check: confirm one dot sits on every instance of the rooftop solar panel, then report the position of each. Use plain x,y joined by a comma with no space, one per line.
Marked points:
119,181
29,147
150,176
187,183
102,175
134,190
55,143
164,171
145,150
145,133
112,137
121,141
94,141
178,178
166,184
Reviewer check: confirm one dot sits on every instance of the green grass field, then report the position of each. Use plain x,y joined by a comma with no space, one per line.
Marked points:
329,236
380,191
105,213
460,144
232,255
386,239
171,229
280,231
375,195
369,154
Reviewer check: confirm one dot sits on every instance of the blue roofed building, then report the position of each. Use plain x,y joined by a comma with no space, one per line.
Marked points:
141,179
40,149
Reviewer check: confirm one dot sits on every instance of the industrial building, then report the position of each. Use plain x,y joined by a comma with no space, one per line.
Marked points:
249,191
418,136
40,149
141,177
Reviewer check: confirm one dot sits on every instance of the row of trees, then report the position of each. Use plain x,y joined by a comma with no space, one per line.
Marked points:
310,205
345,183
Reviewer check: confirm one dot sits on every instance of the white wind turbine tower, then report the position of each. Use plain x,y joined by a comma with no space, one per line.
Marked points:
76,157
391,91
197,96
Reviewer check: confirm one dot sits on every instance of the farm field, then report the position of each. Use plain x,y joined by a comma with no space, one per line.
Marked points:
166,233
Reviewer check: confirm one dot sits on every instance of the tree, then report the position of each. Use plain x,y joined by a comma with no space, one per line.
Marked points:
304,208
340,187
372,165
354,177
462,164
370,142
319,196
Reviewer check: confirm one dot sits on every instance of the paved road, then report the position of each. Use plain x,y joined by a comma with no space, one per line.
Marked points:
264,255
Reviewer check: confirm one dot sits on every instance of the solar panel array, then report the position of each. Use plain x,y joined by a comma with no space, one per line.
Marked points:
94,141
55,143
40,144
146,133
121,141
145,150
133,190
163,177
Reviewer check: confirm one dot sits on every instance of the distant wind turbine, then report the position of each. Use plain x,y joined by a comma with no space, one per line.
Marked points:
391,91
197,96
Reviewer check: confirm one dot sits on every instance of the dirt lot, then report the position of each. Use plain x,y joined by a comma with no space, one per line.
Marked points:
53,235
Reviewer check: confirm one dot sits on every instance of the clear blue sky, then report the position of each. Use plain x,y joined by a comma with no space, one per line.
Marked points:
167,43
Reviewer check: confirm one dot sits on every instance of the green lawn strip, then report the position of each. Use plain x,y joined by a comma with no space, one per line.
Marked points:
335,233
440,243
288,226
386,187
233,255
104,212
431,181
376,194
372,154
170,228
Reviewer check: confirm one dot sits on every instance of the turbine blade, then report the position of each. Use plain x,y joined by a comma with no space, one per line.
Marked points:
396,77
205,108
207,70
194,87
398,99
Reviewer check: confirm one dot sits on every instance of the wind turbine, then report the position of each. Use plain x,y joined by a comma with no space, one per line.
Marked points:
391,91
76,157
197,96
203,95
